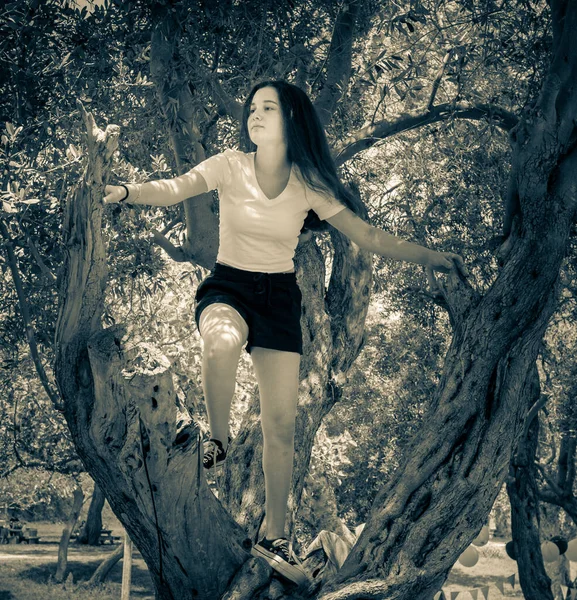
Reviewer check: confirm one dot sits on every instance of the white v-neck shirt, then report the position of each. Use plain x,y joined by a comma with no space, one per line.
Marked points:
258,233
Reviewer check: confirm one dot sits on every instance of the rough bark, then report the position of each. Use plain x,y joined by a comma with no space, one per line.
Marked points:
66,533
133,435
90,533
439,497
523,495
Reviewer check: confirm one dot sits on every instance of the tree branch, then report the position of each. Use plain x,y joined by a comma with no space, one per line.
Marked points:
533,412
176,253
226,104
368,136
12,263
339,62
437,82
45,270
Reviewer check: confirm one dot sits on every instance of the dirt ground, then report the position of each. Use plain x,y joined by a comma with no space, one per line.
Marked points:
25,572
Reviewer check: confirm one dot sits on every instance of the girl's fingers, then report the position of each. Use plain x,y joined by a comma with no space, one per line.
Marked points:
111,192
433,286
460,264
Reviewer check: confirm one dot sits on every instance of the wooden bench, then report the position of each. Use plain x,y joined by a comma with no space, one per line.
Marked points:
106,536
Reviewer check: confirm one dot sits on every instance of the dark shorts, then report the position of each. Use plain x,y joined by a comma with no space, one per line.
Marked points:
270,303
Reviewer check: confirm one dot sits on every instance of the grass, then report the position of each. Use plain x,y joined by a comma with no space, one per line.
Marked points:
26,572
493,566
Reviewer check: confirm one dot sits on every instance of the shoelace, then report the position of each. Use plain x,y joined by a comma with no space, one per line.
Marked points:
285,547
212,454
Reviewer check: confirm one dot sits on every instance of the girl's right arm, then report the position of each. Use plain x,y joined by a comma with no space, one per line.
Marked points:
162,192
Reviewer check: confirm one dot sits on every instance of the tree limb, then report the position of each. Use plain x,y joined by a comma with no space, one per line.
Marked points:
226,104
534,411
437,81
338,61
12,263
45,270
176,253
368,136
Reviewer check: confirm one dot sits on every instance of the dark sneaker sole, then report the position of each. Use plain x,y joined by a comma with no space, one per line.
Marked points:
287,570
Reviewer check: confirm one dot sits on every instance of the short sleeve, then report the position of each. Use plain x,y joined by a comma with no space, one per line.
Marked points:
215,170
324,205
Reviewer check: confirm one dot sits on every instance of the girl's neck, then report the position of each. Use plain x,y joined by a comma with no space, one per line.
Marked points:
270,161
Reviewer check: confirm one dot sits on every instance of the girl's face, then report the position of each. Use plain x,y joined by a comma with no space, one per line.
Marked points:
265,122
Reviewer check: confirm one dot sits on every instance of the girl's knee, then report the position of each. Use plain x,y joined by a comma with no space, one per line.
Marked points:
280,435
222,345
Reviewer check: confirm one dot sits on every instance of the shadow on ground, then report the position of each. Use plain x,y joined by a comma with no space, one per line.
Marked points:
83,571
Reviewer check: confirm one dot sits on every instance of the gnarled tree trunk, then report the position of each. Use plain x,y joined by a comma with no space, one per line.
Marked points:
90,533
440,496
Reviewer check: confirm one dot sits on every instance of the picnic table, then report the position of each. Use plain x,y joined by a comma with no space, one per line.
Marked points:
106,536
17,534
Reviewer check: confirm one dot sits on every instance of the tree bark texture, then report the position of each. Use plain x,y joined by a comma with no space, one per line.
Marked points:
66,533
90,533
339,61
439,497
523,495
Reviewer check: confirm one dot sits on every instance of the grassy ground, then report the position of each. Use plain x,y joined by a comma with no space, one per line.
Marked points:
25,572
494,565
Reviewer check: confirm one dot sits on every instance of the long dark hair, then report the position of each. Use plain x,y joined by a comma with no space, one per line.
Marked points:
307,145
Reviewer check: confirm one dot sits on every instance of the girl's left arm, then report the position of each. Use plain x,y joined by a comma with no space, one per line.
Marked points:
380,242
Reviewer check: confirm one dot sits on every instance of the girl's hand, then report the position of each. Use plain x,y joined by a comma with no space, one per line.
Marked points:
114,194
444,262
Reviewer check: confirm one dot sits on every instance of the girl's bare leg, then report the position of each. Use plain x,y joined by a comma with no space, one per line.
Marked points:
224,333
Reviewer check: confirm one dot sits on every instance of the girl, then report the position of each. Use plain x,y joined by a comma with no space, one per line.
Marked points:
283,179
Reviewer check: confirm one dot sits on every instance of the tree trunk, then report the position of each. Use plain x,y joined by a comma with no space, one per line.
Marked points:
90,533
176,102
523,494
440,496
66,533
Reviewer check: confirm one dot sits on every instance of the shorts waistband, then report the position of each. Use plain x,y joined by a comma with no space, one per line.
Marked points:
242,275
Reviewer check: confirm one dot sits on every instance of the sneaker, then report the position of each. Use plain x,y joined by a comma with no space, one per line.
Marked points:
279,555
213,449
